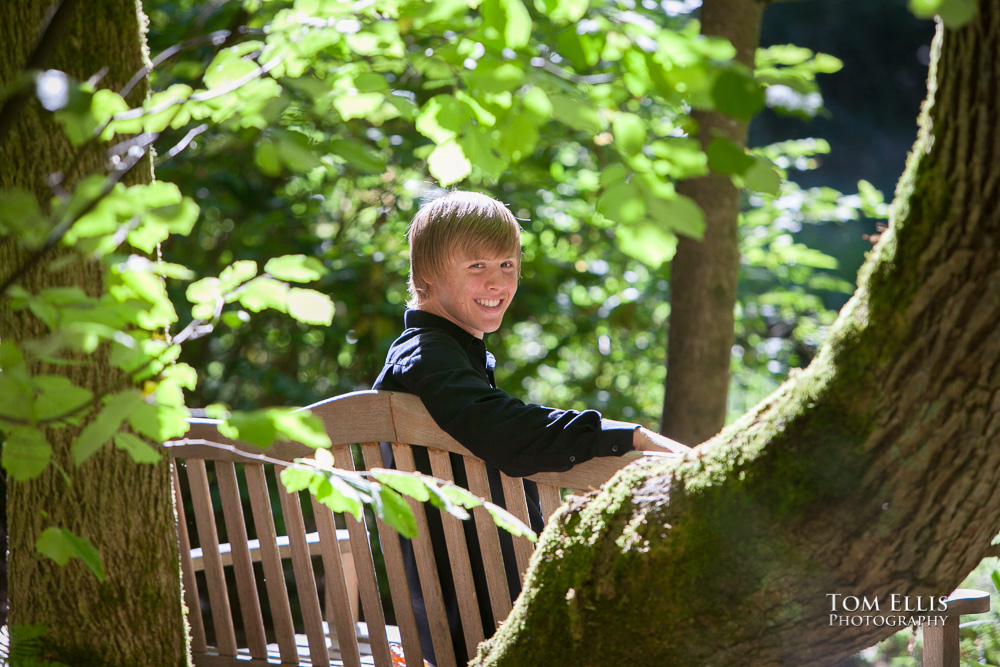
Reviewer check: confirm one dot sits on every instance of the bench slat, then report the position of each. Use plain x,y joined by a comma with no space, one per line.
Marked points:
430,586
549,499
208,536
513,495
365,566
489,542
399,587
305,579
274,574
458,556
246,585
191,597
340,617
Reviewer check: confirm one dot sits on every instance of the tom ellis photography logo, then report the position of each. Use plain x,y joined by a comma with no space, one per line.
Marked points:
892,610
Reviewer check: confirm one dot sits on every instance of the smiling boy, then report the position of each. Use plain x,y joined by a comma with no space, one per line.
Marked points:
465,262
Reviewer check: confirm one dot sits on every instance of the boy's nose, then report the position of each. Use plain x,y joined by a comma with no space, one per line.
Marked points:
494,280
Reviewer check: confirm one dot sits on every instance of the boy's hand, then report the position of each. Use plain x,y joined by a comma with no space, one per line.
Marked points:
644,440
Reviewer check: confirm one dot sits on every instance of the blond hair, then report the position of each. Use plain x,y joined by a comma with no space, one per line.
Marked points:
467,222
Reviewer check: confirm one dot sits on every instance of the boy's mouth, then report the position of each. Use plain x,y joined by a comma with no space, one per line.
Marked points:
489,303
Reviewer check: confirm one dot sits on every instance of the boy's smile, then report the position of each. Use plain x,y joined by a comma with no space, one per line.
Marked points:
474,293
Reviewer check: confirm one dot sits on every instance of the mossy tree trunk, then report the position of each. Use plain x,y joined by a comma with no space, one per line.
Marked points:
873,472
135,617
704,273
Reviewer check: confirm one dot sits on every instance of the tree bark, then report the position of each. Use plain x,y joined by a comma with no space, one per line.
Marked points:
704,274
872,472
135,617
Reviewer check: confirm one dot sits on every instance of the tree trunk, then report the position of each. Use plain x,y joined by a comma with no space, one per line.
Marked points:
135,616
704,274
873,472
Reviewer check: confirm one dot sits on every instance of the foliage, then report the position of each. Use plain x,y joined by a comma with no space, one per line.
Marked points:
307,130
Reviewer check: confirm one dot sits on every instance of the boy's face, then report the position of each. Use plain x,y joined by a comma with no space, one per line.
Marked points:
473,292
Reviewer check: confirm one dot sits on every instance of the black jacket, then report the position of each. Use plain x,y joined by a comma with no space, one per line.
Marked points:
452,373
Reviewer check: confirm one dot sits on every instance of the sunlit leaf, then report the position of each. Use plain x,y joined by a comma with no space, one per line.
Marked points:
630,132
295,268
509,522
448,164
264,292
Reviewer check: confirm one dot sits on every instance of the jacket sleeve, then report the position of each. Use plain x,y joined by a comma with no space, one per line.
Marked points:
520,439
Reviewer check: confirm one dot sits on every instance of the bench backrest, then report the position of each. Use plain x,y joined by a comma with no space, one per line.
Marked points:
209,478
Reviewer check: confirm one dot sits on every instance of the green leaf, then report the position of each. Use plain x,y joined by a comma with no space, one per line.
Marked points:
22,218
762,177
159,423
576,113
298,478
357,105
649,242
630,133
335,493
569,11
407,483
137,448
954,13
264,292
256,428
295,268
310,306
517,31
60,545
442,118
504,519
26,453
236,274
394,511
448,164
302,427
737,95
725,157
536,102
622,203
56,395
99,432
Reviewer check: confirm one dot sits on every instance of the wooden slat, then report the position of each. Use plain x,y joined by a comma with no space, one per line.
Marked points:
305,579
274,575
246,584
208,536
371,602
458,556
489,542
395,569
191,598
549,499
430,584
341,616
513,494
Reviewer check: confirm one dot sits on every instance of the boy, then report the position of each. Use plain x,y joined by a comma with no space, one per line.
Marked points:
465,262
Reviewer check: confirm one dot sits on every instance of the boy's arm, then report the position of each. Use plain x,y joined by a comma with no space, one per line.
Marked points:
520,439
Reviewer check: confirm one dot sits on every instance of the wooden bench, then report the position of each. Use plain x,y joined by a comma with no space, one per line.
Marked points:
270,629
273,630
